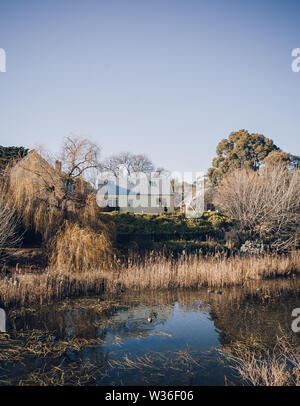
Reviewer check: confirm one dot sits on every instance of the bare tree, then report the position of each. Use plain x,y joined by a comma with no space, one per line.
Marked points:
266,204
78,156
129,162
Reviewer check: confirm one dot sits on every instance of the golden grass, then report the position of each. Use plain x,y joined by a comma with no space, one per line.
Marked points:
38,343
212,271
153,273
93,373
259,366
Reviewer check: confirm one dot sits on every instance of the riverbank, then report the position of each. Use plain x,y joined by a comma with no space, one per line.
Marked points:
20,287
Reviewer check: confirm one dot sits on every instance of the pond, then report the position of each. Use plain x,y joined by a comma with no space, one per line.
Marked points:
152,338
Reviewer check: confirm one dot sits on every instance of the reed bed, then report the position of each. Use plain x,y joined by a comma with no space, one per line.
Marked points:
152,273
195,271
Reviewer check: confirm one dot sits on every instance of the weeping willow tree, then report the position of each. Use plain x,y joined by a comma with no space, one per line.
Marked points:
8,218
53,198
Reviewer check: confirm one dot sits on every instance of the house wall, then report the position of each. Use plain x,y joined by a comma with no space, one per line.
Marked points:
143,203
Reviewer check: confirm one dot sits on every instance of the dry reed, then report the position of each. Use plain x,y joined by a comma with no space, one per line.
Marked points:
156,273
259,366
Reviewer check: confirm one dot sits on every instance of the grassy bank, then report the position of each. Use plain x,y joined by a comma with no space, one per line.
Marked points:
173,222
172,231
155,273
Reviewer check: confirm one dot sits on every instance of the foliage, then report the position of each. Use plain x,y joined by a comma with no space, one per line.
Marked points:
9,154
167,222
46,196
80,248
240,150
278,158
189,247
56,202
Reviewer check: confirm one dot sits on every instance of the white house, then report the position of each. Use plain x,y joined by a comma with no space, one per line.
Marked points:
153,195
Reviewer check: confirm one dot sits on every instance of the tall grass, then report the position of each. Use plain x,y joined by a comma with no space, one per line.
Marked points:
153,273
258,366
194,271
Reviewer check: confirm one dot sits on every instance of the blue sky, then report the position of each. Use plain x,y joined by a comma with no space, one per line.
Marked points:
169,78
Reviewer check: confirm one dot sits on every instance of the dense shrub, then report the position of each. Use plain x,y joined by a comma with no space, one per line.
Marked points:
168,223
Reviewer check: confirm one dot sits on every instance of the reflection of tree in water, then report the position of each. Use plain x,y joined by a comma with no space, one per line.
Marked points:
92,320
133,322
258,310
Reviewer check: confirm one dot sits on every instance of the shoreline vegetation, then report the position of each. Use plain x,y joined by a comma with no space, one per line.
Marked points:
21,287
258,365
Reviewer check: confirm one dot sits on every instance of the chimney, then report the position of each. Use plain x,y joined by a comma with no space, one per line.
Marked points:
58,166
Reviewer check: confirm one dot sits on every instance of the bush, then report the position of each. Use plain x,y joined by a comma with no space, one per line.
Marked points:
168,223
265,204
80,248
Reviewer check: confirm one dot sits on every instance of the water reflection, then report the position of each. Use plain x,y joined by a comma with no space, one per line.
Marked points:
116,343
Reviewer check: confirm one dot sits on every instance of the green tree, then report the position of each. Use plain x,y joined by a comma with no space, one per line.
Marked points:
278,158
240,150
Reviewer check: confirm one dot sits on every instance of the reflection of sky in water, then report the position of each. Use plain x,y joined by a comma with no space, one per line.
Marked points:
194,321
181,330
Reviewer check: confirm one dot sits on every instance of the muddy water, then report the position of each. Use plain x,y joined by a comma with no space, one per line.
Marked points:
154,338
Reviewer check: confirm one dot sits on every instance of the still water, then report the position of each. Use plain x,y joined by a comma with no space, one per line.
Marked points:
154,338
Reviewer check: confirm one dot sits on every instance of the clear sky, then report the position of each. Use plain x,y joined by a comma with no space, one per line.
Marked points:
169,78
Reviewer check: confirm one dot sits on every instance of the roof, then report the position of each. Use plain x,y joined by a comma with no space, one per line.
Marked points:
115,190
